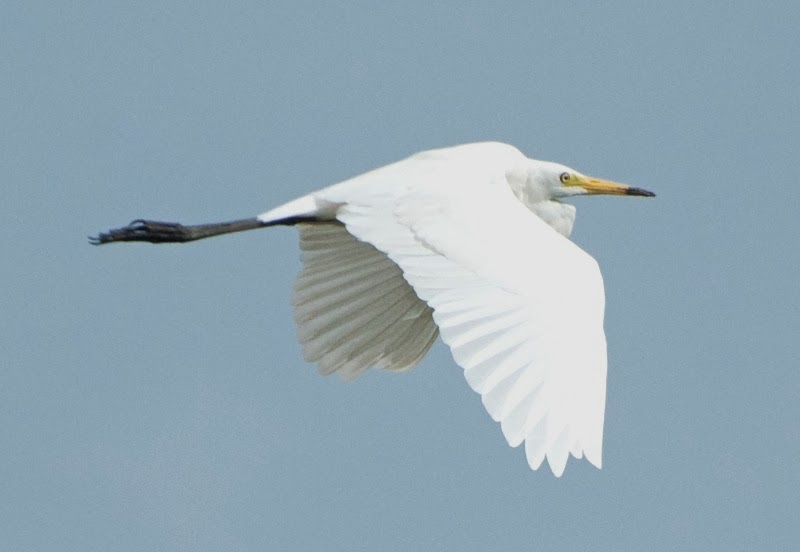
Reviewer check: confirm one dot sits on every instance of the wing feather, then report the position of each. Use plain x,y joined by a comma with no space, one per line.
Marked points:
519,305
353,308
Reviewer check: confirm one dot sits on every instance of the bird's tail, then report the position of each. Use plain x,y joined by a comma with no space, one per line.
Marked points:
303,209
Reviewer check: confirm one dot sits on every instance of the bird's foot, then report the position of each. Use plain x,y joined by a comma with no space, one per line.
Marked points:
143,230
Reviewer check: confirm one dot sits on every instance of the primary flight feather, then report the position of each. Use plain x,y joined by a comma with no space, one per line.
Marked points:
469,242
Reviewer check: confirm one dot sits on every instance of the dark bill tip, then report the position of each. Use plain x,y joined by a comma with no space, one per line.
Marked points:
639,192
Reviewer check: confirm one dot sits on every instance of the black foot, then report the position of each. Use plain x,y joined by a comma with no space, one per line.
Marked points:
144,230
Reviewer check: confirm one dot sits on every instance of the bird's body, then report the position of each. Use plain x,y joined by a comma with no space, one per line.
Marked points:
468,242
470,165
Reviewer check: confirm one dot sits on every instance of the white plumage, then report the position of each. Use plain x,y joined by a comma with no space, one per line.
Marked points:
469,242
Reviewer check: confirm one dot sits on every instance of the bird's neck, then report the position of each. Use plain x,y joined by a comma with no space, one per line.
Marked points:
561,216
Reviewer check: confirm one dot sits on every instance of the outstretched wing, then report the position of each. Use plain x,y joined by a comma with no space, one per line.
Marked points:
520,306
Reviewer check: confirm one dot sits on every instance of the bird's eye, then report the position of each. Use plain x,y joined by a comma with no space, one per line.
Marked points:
564,178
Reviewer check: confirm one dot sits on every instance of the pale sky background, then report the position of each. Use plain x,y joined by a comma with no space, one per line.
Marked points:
155,398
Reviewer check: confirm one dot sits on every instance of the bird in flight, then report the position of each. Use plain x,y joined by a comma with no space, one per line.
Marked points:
468,242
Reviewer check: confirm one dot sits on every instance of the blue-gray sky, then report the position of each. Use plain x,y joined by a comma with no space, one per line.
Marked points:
154,398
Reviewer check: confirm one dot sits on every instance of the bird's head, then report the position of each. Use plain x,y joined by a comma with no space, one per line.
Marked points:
555,181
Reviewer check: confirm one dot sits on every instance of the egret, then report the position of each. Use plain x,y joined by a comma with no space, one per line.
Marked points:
468,242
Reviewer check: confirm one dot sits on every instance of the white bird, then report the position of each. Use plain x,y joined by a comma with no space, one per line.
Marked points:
469,242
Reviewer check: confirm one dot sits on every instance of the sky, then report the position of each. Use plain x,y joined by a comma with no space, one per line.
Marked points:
155,397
